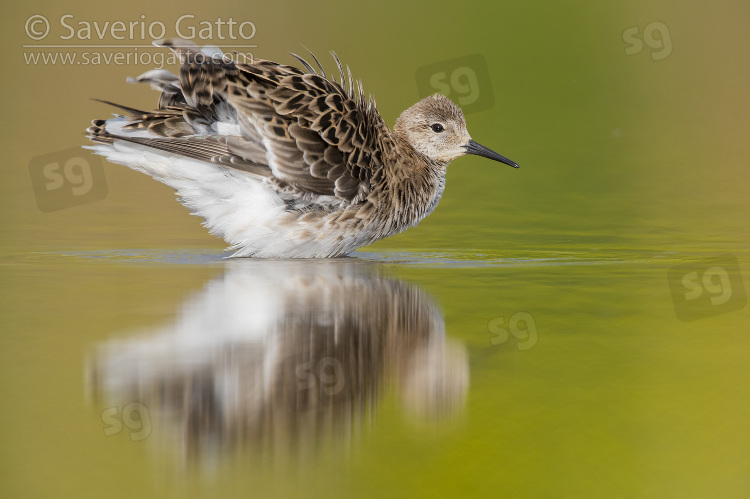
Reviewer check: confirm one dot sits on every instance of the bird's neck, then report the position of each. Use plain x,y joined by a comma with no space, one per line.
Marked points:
414,183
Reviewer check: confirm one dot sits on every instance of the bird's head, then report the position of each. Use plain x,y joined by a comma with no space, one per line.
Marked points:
435,127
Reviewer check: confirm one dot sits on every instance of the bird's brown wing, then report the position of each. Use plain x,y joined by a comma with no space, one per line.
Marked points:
319,136
300,128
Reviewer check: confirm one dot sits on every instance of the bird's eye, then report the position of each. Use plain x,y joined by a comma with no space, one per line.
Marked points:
437,128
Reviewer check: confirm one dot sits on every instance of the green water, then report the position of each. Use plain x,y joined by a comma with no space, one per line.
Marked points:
573,328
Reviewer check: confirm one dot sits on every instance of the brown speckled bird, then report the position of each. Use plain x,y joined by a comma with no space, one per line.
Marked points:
287,163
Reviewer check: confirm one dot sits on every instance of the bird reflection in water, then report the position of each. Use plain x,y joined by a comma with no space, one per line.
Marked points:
284,354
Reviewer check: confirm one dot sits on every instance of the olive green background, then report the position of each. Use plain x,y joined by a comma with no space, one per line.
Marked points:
630,166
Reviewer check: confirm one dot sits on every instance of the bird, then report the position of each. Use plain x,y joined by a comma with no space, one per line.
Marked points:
286,162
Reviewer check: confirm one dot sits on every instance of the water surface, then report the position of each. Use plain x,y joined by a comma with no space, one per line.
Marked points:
573,328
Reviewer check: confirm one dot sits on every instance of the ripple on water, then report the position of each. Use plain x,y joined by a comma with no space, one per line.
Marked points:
424,259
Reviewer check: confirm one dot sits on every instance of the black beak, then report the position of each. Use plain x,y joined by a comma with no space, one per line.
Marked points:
478,149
